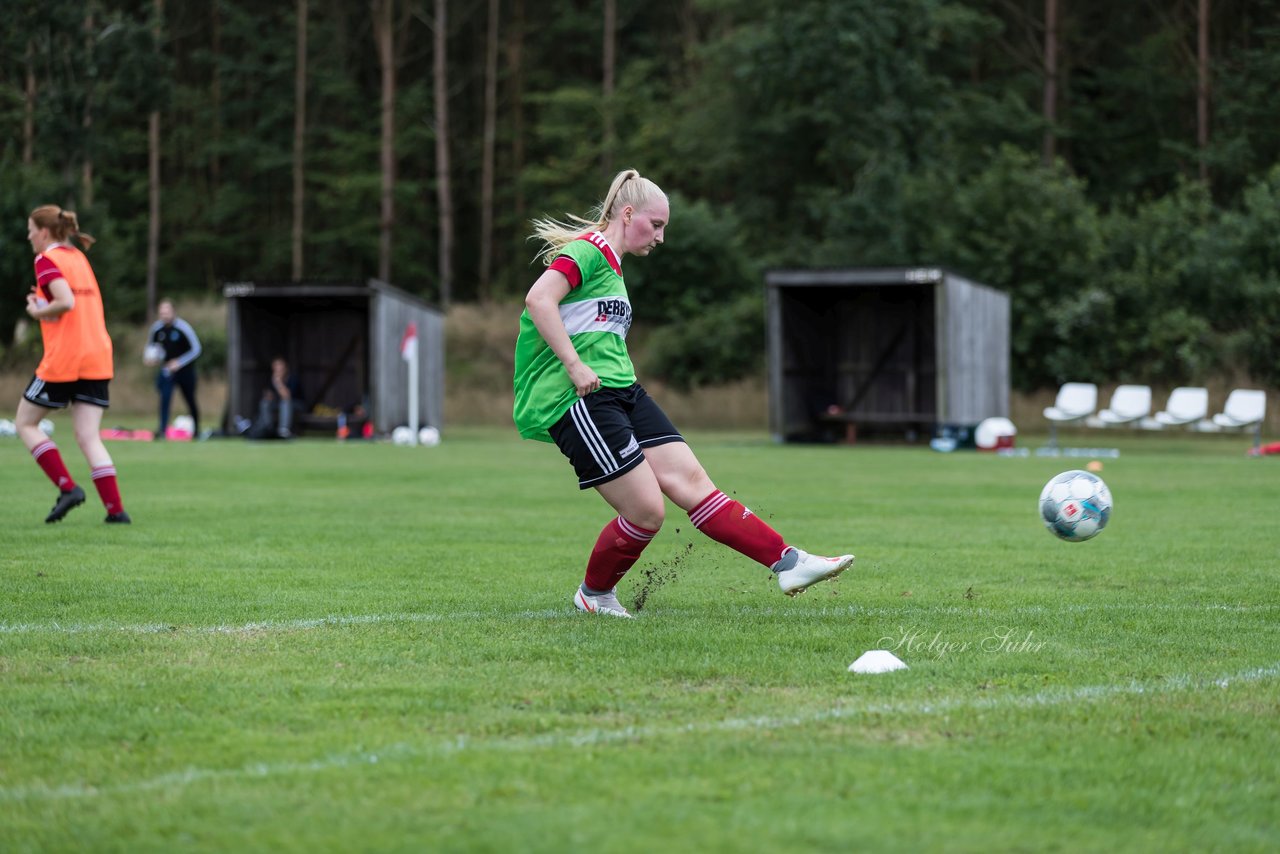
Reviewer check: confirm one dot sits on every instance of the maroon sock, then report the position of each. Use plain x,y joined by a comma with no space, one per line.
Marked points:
48,458
104,478
727,521
616,551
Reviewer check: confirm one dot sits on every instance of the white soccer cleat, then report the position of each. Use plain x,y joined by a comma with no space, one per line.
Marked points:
798,570
605,603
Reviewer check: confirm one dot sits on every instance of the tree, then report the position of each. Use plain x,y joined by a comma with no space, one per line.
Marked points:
1050,80
299,137
384,33
487,154
153,185
86,123
515,76
1202,86
608,72
29,106
444,191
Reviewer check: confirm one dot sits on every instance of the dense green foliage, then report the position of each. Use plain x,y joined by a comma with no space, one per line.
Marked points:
830,132
318,647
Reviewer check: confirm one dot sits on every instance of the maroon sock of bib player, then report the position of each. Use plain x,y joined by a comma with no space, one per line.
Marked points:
104,478
615,552
727,521
48,458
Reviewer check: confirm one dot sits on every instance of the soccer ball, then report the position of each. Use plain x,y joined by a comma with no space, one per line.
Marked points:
402,436
1075,505
428,437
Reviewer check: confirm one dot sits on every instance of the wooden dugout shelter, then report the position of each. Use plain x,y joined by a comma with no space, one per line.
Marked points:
889,350
343,342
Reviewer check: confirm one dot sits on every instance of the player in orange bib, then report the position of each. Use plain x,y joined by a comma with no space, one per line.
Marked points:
77,364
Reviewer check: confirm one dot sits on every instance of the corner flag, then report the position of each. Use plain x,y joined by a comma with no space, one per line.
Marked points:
409,343
409,352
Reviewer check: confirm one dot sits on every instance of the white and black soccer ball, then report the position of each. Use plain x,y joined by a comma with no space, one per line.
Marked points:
402,435
428,437
1075,505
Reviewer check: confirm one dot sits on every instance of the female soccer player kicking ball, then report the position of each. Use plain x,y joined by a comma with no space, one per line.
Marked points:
575,385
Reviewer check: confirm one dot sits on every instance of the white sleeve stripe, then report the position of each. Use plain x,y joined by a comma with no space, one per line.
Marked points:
192,339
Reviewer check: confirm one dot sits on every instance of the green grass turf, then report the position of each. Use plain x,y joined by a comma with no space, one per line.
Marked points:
313,646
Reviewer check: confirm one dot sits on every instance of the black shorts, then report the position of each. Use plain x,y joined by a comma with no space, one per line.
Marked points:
602,434
59,395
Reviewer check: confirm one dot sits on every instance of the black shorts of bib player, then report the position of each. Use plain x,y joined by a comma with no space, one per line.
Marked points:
604,433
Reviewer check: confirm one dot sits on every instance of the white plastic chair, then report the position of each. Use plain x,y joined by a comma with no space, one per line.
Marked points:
1187,405
1075,402
1245,407
1129,404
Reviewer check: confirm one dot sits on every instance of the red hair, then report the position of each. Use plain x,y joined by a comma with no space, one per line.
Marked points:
63,225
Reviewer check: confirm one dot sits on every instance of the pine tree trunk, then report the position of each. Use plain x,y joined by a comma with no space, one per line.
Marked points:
610,65
444,192
1050,111
215,96
299,136
29,108
384,32
515,71
86,123
487,165
153,178
1202,88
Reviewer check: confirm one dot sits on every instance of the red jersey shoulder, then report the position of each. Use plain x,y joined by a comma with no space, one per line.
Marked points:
597,240
46,270
566,265
570,268
46,273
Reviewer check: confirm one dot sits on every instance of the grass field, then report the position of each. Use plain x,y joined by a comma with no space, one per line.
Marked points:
361,647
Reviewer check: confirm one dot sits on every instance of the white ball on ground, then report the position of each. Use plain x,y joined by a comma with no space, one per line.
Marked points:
429,437
1075,505
402,435
47,426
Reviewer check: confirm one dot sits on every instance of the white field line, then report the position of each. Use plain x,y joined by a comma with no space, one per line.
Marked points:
405,751
339,620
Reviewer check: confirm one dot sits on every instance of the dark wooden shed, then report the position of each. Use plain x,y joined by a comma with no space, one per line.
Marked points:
887,350
343,340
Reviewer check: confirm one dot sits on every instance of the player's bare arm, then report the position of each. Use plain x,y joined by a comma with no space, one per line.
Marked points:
543,302
63,301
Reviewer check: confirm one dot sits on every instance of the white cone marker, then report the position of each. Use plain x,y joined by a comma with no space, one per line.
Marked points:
877,661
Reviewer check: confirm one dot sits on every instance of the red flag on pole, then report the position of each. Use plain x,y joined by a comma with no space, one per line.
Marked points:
409,343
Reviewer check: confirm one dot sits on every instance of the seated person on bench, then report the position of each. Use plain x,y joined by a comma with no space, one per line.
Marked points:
280,398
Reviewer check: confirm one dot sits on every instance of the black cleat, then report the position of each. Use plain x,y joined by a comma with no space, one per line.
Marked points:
121,518
74,497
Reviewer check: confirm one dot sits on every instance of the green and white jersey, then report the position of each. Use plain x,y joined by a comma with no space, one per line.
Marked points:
597,315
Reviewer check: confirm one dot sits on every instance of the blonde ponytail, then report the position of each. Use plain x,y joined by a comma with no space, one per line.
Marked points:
628,188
